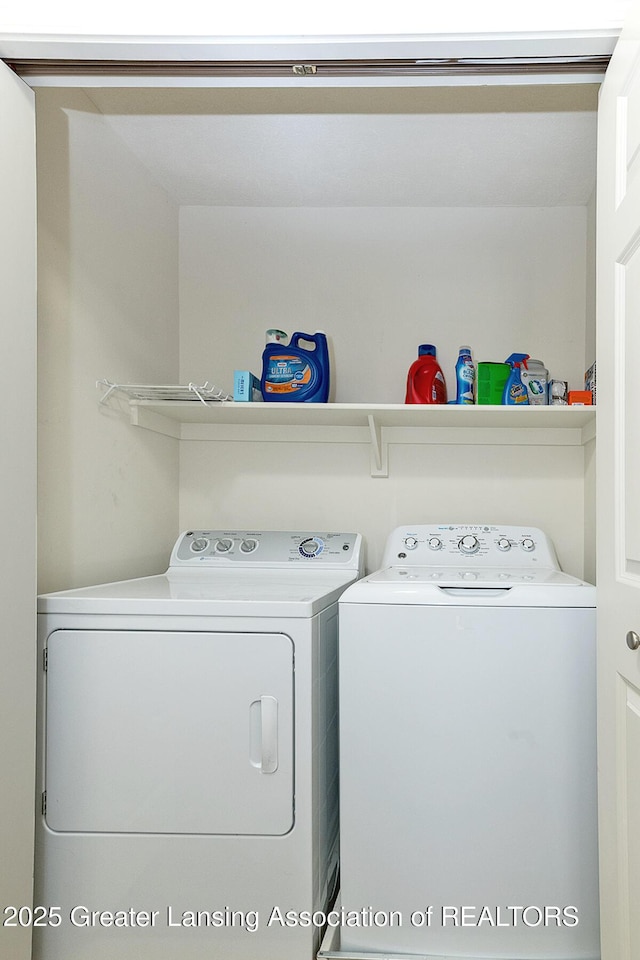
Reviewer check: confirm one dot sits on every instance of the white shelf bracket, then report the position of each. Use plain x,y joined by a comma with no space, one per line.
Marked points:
379,449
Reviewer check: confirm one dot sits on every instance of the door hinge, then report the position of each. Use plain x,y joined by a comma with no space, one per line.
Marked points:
44,803
45,659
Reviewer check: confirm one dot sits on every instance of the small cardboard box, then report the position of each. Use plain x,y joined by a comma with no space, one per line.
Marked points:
246,387
580,398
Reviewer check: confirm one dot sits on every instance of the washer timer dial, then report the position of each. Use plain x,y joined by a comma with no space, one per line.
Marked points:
469,544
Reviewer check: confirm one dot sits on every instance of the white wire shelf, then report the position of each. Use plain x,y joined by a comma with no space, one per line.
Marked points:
206,393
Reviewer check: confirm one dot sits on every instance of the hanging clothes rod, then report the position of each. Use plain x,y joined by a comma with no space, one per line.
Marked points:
501,66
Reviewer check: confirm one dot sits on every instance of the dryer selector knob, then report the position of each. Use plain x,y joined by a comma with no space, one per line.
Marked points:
199,544
224,546
504,544
435,543
410,543
469,544
312,547
528,544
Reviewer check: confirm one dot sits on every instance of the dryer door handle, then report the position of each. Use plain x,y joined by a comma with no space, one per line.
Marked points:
269,709
264,734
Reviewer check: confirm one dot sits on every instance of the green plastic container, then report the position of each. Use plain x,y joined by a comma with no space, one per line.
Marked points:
490,382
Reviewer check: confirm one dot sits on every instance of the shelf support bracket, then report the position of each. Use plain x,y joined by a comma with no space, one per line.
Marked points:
379,449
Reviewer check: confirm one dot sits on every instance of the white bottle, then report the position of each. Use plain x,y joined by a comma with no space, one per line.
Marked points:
535,377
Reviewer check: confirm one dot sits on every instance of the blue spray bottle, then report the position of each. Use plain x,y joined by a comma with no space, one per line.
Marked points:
465,376
515,391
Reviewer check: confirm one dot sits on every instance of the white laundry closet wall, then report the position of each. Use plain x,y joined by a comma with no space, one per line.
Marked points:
107,307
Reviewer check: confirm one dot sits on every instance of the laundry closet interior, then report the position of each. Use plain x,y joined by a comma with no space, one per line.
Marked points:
177,224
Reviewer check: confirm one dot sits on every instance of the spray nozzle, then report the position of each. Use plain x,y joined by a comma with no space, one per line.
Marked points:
518,360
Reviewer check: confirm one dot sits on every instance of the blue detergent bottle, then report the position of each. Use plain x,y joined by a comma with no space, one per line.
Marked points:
465,376
295,374
515,391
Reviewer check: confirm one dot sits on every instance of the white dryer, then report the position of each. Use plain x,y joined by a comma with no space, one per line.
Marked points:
187,752
468,751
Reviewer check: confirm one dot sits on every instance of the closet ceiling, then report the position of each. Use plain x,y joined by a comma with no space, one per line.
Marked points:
431,146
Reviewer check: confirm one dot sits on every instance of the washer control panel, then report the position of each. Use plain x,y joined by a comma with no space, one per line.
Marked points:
478,545
267,548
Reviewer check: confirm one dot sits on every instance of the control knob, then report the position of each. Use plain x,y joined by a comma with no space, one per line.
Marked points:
199,544
469,544
435,543
410,543
310,548
527,544
504,544
224,546
248,545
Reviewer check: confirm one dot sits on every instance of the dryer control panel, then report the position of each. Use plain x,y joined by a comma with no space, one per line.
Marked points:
475,545
268,548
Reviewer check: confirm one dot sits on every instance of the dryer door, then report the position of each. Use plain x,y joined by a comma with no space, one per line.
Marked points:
168,732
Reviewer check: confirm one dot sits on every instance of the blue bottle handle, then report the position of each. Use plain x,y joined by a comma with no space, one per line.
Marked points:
309,337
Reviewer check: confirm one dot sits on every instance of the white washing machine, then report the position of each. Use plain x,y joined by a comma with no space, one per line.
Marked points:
468,751
187,753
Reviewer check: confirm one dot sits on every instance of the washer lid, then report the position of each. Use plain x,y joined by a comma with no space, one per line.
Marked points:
486,586
482,576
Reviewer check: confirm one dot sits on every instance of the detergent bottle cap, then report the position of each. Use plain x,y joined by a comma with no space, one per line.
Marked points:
426,350
518,360
276,336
